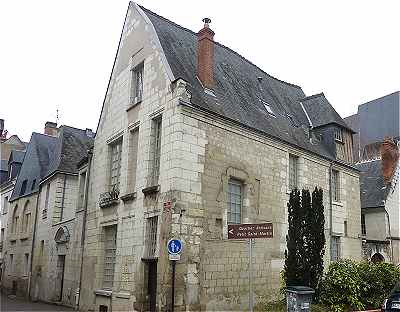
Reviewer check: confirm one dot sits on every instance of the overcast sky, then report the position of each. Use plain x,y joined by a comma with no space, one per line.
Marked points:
59,54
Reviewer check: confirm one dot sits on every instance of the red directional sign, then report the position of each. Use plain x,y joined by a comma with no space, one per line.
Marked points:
243,231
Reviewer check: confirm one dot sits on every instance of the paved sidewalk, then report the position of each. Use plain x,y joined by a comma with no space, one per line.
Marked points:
9,304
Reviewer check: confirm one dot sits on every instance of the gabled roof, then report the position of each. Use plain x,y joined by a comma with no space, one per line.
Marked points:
16,156
373,191
47,154
239,96
321,112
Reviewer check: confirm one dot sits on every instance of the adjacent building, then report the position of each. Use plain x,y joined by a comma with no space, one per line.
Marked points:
192,137
43,237
376,154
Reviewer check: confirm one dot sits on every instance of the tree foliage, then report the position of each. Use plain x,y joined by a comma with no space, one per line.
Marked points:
305,239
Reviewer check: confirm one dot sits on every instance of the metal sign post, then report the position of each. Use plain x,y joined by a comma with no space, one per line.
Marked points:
250,231
174,247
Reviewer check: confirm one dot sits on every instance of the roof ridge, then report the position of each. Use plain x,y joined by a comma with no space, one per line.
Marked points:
221,45
313,96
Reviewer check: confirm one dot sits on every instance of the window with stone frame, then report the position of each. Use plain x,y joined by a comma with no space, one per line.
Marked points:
132,158
11,264
363,227
110,252
46,202
293,171
336,185
26,218
235,201
26,264
14,220
335,248
155,149
151,237
137,84
5,205
115,164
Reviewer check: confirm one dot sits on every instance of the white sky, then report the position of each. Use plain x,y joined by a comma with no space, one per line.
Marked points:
59,54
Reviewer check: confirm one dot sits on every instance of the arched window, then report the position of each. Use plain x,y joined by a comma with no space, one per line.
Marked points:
14,220
376,258
26,218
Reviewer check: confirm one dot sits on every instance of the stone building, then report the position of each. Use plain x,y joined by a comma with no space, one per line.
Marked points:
376,154
41,216
191,137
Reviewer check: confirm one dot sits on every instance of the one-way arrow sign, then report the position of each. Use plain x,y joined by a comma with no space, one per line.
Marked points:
244,231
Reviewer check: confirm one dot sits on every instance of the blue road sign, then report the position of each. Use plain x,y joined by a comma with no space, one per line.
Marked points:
174,246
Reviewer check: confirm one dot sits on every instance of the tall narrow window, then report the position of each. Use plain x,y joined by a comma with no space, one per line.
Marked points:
137,84
81,194
11,263
5,205
2,235
132,162
335,185
156,149
338,135
293,172
14,221
335,248
46,202
116,152
110,251
151,237
235,196
26,264
345,228
363,227
23,187
33,184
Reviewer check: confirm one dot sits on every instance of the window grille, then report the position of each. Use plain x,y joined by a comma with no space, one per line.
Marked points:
338,135
335,248
235,195
116,151
157,129
363,227
293,172
110,251
137,84
151,237
335,185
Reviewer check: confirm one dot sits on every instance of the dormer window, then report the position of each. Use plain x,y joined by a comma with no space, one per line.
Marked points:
137,84
268,109
338,135
23,187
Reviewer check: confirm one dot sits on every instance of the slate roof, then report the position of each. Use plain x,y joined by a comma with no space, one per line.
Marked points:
372,187
239,96
321,112
16,156
46,154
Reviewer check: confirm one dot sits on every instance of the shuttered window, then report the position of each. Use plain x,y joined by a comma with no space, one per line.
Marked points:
235,196
110,251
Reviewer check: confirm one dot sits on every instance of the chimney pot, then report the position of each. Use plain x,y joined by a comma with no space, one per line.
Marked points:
205,55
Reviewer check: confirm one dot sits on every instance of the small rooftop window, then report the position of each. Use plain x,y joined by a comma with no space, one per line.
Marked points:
23,187
268,108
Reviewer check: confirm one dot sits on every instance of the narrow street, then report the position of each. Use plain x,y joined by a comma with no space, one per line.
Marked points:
8,304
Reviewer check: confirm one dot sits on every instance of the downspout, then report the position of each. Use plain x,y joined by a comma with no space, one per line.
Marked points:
33,244
78,295
330,209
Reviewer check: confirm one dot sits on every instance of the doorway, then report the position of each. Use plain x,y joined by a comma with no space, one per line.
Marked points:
152,285
60,277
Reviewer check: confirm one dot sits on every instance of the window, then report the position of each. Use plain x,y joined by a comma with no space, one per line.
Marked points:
293,172
41,248
363,227
156,149
5,205
338,134
26,218
23,187
335,248
26,264
116,152
132,161
151,237
137,84
11,263
81,195
345,228
14,221
46,202
33,184
268,108
335,185
2,235
235,195
110,251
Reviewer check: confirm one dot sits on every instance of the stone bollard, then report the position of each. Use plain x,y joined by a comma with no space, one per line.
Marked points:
298,298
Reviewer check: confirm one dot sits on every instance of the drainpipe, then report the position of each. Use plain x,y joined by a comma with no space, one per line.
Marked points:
330,209
33,243
78,295
390,232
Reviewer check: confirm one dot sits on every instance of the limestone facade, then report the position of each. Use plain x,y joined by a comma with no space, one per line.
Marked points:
183,194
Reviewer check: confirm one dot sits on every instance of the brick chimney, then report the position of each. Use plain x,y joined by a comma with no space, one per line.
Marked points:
390,157
205,55
50,128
